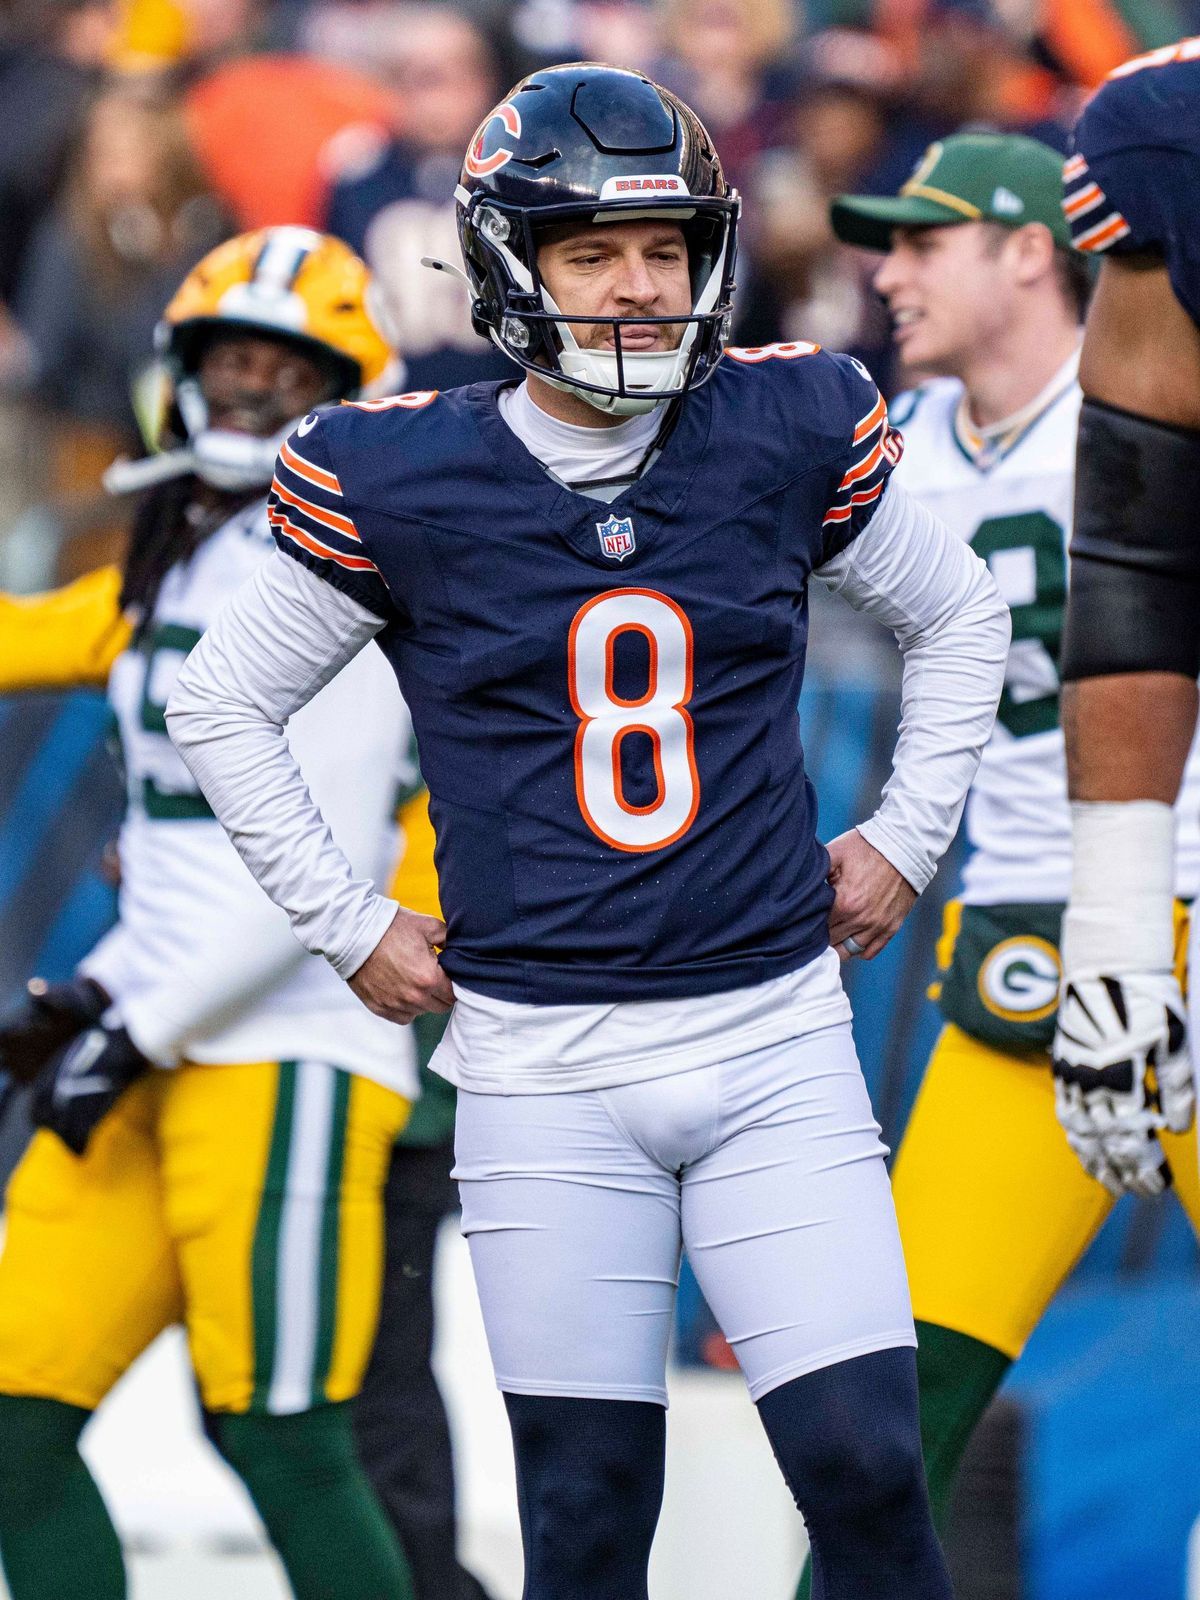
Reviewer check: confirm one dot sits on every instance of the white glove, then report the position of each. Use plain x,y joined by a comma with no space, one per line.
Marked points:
1122,1072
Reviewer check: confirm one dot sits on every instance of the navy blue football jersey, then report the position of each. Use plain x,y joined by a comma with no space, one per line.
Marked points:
1133,181
605,695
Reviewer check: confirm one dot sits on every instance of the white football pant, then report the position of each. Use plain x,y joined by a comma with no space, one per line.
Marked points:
766,1168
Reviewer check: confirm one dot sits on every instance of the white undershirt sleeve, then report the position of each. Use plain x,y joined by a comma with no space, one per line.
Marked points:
283,636
908,571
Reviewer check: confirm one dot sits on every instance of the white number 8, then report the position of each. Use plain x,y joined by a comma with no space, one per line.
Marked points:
605,719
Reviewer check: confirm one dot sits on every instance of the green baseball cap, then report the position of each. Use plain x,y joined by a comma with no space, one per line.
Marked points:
969,177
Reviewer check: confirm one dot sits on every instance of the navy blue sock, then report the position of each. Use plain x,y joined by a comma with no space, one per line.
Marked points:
848,1440
589,1487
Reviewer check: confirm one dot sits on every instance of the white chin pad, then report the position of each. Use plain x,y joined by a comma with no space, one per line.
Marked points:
647,375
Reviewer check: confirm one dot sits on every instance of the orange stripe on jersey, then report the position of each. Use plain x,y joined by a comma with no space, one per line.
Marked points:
864,497
1113,227
330,519
306,469
871,421
864,467
1084,200
290,531
1074,168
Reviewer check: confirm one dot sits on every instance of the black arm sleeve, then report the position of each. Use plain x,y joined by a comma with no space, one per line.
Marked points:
1134,599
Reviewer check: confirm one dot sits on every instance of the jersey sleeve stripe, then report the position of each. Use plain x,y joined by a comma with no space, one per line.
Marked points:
329,519
843,513
862,468
289,530
308,470
1074,168
871,421
1105,232
1086,200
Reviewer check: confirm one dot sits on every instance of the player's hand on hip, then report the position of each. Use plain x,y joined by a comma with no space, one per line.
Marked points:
402,976
1122,1072
871,898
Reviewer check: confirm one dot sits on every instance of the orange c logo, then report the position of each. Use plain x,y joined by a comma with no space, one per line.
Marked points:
479,166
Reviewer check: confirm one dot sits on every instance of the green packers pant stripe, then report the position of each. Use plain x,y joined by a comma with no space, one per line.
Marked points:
298,1263
330,1230
265,1254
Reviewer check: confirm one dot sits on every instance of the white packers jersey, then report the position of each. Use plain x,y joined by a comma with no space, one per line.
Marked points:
1016,514
202,965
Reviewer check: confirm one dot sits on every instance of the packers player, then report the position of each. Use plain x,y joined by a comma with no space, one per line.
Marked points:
216,1108
985,292
1132,646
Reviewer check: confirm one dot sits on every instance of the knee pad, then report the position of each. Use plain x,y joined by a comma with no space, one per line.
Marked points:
589,1482
848,1437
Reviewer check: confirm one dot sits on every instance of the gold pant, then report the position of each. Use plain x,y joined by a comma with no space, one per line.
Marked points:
994,1207
243,1201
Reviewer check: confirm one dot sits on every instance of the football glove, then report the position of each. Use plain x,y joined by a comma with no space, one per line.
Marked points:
47,1017
84,1082
1121,1073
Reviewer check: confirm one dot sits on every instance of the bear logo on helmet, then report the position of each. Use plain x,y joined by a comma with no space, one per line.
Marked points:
476,163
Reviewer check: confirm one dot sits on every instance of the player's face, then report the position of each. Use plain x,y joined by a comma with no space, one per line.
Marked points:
258,385
949,291
620,269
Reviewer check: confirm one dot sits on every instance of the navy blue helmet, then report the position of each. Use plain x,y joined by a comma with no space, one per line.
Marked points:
592,143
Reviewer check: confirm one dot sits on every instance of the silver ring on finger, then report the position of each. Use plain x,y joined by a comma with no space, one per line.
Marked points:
851,945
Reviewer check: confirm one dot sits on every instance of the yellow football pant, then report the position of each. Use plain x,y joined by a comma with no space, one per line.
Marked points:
994,1207
244,1201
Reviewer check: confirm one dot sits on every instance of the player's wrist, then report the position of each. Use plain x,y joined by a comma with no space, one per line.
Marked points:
1121,912
913,867
377,917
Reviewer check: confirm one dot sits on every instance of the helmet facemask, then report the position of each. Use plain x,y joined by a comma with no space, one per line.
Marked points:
517,311
295,288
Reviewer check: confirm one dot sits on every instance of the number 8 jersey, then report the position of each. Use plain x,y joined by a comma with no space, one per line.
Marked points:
1011,498
605,694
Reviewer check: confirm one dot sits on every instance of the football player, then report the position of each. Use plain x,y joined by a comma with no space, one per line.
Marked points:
986,292
216,1110
1132,644
70,637
592,586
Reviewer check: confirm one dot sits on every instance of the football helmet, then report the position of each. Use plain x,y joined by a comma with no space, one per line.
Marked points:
592,143
289,283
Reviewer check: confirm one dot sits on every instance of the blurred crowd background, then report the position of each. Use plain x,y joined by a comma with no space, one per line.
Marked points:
136,134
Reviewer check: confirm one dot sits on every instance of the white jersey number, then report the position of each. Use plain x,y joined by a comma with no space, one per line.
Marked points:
178,798
658,716
1026,554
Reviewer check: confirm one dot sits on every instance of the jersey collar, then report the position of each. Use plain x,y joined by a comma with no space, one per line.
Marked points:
574,517
986,447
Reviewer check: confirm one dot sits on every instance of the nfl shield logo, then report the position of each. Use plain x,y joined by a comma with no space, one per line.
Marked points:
616,537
